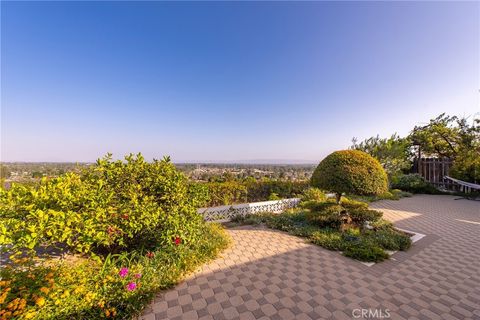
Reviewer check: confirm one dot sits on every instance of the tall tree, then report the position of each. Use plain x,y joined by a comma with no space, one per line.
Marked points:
439,138
393,153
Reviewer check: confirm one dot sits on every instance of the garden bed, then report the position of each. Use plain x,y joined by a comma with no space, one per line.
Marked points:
370,245
126,230
118,286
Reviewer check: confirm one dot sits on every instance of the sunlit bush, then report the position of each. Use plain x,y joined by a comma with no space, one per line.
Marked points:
352,172
109,207
413,183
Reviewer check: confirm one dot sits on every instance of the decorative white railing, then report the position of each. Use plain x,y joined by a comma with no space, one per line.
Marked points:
225,213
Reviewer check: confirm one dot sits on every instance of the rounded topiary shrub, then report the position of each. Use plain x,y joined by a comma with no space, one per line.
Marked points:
350,171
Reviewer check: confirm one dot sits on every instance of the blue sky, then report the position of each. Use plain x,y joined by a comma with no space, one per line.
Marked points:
228,81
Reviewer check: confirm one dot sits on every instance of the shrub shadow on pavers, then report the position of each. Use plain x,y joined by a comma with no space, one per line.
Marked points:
270,274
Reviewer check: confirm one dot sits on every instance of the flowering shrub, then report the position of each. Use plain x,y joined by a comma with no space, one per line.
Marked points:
137,220
109,207
116,287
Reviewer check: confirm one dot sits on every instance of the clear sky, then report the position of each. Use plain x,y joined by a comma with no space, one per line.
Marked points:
228,81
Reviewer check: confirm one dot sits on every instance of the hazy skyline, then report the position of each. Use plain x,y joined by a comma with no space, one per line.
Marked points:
231,81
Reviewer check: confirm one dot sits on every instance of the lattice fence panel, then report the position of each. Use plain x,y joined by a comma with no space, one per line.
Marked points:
228,212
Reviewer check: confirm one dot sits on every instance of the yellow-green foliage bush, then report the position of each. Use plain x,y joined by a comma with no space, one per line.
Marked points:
227,192
325,214
350,171
313,194
110,207
138,219
260,190
238,191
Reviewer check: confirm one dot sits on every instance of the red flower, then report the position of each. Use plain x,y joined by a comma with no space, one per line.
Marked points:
177,241
150,254
125,216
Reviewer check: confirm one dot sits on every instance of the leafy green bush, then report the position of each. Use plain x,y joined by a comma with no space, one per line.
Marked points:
284,221
332,215
139,221
235,191
313,194
390,239
260,190
413,183
350,171
325,214
350,204
223,193
273,196
381,224
365,251
398,194
360,216
109,207
466,165
329,239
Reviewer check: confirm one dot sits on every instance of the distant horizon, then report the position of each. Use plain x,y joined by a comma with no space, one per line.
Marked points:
239,162
226,81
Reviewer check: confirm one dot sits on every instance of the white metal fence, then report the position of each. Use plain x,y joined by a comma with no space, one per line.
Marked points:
225,213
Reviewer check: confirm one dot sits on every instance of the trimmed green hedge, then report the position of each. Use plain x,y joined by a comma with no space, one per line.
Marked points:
232,192
414,183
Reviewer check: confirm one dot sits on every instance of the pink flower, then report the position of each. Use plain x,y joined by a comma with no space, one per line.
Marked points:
123,272
177,241
138,275
131,286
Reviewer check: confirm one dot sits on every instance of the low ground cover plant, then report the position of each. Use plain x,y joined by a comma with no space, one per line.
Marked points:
100,243
393,194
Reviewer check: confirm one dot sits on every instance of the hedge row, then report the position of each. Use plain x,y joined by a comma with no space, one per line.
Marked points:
231,192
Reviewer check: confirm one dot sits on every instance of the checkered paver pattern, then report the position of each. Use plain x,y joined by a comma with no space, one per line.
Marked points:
268,274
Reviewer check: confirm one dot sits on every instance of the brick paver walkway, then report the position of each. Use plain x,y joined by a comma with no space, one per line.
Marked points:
271,275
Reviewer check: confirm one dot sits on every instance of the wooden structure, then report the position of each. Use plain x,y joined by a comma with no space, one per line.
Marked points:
434,171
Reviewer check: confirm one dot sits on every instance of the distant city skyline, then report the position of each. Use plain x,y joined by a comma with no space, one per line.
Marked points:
228,81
